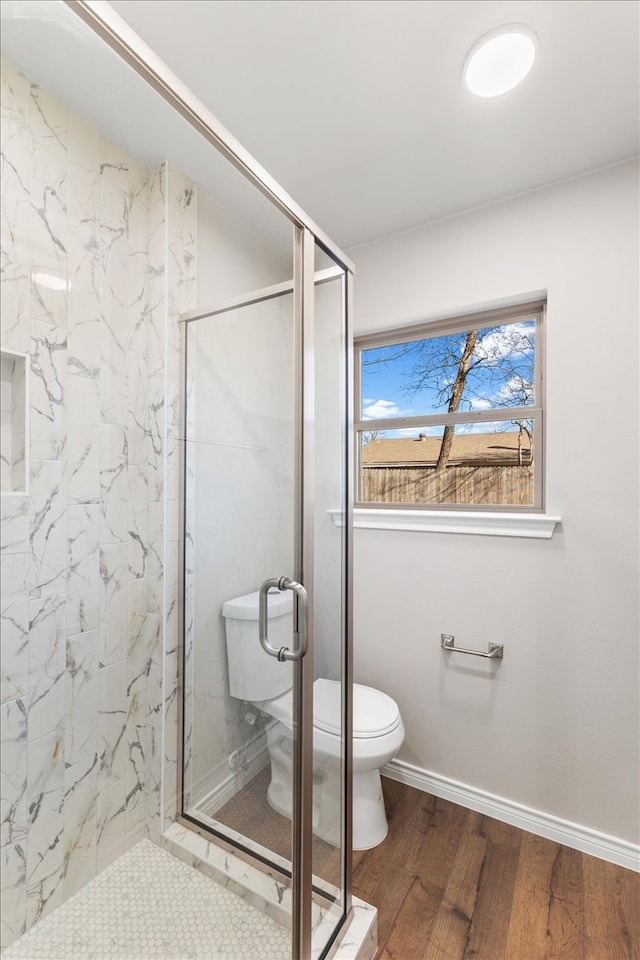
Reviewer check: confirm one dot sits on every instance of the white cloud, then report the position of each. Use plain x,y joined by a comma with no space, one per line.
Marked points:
480,403
500,343
379,409
514,388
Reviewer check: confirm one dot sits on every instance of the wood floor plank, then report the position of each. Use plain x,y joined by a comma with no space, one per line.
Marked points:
566,907
495,831
410,815
452,924
388,888
437,851
370,865
411,931
528,934
490,922
612,911
548,906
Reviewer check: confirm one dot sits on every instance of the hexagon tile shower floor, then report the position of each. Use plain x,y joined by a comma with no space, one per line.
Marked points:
149,905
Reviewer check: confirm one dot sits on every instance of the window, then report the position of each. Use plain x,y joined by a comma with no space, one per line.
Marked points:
449,413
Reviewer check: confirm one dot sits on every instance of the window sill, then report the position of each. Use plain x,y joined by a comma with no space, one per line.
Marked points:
536,525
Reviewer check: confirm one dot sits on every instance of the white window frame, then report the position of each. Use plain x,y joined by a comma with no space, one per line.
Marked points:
431,329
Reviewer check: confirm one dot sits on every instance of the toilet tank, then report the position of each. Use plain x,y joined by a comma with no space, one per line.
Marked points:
254,674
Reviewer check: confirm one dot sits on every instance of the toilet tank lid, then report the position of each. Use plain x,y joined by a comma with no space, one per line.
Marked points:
246,607
374,713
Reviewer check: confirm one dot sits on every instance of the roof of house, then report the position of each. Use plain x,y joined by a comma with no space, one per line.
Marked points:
499,448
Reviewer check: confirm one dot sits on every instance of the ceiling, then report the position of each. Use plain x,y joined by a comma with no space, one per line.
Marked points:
356,107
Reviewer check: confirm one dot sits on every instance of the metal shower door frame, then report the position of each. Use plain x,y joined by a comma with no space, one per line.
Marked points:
301,876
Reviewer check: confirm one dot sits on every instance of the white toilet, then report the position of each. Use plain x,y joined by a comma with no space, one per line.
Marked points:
378,730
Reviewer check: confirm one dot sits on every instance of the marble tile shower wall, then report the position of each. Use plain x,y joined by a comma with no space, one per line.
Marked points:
89,254
172,291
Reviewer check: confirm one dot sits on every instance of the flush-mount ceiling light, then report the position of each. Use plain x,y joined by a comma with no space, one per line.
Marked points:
500,60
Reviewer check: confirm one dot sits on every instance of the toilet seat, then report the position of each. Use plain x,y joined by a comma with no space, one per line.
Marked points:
374,713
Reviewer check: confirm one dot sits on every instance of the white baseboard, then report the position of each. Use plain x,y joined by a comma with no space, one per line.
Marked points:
613,849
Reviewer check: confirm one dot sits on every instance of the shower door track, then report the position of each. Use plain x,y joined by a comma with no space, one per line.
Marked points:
250,857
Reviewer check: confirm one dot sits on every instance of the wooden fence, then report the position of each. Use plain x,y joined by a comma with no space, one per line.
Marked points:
506,485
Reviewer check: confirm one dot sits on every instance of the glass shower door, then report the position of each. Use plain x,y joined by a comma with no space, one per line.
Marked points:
252,515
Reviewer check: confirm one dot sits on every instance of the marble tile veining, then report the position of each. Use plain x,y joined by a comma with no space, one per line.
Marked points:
112,722
83,451
83,526
13,777
79,823
13,891
47,638
113,602
13,651
45,779
48,570
83,713
81,729
111,823
14,525
48,400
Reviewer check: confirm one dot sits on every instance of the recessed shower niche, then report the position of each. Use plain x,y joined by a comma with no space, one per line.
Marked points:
14,372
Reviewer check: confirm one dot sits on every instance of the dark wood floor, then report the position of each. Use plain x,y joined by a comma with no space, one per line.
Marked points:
450,884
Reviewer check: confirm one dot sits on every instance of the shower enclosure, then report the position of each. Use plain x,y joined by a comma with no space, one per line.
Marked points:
264,464
182,335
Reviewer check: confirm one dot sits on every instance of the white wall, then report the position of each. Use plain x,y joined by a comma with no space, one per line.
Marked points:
555,725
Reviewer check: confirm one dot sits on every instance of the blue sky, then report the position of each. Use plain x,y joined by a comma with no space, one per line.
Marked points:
505,373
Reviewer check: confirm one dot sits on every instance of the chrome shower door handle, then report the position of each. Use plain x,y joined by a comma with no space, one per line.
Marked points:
300,614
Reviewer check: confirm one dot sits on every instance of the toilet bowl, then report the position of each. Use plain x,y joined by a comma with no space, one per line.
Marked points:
378,730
